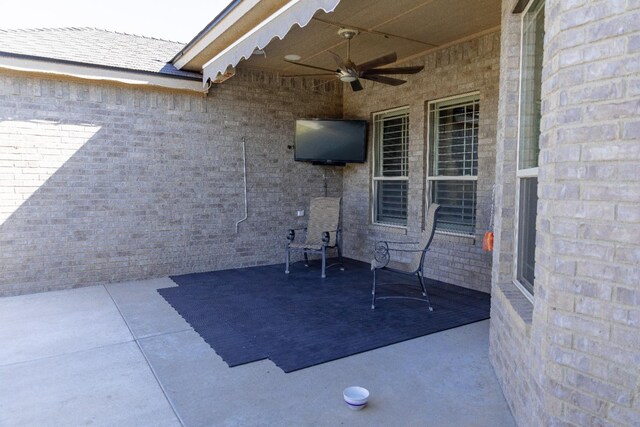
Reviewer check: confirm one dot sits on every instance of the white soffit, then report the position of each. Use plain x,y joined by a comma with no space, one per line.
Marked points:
296,12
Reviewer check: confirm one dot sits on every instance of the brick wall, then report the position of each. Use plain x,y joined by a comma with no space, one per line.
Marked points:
511,347
459,69
588,243
571,358
103,183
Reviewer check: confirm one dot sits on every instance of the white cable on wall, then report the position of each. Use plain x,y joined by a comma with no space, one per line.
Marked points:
244,171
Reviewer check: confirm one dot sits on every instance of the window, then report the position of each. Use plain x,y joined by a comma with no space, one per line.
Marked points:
453,161
391,167
528,141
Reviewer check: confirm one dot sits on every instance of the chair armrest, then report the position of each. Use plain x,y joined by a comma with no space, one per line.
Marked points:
381,255
291,234
326,237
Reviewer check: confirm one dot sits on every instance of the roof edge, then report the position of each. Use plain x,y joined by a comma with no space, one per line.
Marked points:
195,76
206,29
91,72
104,30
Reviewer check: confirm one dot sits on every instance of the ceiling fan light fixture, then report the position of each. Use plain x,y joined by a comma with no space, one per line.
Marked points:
348,78
292,57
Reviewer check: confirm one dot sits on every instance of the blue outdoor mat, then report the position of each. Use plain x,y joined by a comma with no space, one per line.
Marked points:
300,320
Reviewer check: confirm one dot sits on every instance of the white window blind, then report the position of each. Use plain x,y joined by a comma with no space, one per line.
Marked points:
391,167
453,166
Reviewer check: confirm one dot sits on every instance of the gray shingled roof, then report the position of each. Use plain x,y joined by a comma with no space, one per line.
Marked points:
95,47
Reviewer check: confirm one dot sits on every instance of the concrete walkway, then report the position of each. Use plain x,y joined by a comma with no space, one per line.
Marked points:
120,355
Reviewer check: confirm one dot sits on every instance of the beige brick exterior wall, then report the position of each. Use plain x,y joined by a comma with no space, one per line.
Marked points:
466,67
588,243
103,183
572,358
511,347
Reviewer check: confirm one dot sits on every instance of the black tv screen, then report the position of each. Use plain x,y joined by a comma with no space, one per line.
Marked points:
331,141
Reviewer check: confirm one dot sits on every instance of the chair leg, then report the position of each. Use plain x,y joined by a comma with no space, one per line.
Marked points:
340,257
424,291
324,262
286,271
306,259
373,291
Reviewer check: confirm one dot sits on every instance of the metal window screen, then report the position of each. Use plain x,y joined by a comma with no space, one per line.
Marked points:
527,231
528,141
454,153
457,200
391,202
391,169
531,85
393,145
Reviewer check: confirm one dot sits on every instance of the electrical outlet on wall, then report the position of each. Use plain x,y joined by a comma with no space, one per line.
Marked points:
300,212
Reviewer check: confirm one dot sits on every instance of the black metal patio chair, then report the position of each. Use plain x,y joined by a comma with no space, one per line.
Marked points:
417,250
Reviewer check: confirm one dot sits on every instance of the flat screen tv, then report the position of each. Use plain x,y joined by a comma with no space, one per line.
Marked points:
331,142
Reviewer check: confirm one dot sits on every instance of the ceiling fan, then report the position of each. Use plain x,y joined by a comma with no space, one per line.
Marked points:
349,72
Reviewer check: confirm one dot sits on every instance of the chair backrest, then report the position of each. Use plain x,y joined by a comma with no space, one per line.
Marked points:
324,215
426,237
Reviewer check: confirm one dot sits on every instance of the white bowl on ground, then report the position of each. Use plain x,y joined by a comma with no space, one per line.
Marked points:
356,397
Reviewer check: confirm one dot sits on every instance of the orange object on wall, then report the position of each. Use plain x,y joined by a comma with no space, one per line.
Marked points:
487,241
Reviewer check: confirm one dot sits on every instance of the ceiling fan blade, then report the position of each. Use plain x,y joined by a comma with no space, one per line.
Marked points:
310,66
394,70
378,62
356,85
385,80
339,62
324,83
326,75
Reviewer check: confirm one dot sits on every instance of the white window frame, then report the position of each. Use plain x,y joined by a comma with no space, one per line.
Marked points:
521,173
430,179
375,179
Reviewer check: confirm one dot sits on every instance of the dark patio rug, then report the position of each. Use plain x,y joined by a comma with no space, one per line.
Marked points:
300,320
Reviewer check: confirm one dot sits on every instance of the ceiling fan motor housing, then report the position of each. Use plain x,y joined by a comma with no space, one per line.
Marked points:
347,33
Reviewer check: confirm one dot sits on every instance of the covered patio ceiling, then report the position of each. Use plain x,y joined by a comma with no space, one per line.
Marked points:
408,27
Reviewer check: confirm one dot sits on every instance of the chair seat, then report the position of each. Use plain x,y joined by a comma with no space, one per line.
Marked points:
314,246
392,265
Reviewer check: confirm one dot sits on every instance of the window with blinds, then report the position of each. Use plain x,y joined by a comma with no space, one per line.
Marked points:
391,167
453,165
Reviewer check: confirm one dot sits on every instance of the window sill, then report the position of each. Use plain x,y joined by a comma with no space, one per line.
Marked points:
525,293
519,306
388,228
456,237
453,233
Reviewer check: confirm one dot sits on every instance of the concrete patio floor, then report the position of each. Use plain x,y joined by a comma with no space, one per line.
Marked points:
120,355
